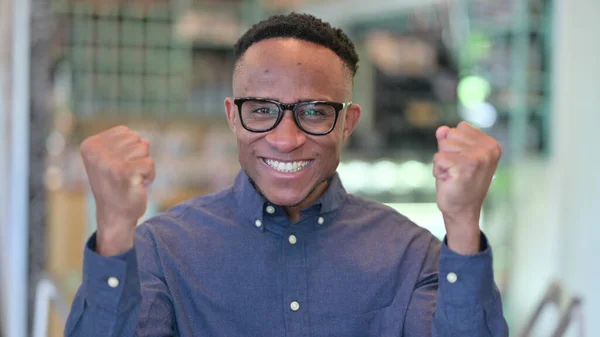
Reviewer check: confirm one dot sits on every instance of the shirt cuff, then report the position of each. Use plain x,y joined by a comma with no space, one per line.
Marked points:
107,279
467,279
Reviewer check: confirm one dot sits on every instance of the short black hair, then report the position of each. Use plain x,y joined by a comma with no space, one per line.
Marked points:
302,27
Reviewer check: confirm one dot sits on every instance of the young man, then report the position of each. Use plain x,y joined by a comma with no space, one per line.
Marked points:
286,251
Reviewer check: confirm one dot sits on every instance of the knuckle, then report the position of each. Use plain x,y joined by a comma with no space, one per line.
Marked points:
88,147
484,158
151,164
142,150
84,147
451,133
120,128
498,150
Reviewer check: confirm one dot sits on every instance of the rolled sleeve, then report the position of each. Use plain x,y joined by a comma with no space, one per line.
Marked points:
469,303
467,279
107,279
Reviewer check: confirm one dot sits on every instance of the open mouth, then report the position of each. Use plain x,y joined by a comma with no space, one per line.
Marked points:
287,166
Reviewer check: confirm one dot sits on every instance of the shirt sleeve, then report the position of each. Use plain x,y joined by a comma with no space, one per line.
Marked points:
116,298
459,298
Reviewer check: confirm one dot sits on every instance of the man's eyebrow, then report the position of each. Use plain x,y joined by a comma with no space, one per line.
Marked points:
297,101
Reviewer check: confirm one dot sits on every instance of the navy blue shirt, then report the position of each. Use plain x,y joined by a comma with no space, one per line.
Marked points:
231,264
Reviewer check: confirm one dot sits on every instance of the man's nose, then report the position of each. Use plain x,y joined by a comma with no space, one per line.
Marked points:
286,137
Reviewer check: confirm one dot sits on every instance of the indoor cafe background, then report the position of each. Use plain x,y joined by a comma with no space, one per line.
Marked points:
525,71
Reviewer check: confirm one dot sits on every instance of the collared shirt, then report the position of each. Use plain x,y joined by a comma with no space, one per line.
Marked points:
232,264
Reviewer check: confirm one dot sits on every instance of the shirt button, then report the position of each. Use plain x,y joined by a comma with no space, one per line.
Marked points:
320,220
294,306
451,277
113,282
270,209
258,223
292,239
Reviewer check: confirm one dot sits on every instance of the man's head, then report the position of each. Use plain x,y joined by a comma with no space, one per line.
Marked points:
291,59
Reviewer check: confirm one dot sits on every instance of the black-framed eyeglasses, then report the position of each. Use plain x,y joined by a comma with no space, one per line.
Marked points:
315,117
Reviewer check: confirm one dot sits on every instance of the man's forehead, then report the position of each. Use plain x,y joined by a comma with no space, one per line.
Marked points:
289,52
279,45
275,61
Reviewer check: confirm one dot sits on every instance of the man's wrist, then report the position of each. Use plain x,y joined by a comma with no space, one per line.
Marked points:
113,243
467,243
463,234
115,235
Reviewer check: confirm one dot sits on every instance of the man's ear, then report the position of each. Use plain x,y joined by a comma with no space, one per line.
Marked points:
231,112
352,116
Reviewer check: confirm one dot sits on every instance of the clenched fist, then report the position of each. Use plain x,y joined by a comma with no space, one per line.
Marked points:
119,168
463,167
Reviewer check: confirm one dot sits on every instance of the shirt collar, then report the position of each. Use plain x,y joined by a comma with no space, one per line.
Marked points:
252,204
334,195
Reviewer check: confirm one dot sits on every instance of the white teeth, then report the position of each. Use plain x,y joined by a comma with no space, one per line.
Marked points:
287,167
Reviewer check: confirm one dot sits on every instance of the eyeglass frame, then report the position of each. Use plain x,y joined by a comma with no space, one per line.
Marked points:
337,106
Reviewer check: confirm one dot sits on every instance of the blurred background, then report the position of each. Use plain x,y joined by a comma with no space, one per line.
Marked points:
525,71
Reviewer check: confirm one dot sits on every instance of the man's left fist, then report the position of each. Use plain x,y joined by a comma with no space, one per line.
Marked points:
463,168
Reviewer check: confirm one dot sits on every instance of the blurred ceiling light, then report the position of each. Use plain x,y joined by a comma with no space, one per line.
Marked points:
429,180
414,174
384,176
355,175
482,115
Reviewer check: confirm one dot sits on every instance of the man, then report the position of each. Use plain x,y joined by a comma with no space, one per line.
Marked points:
286,251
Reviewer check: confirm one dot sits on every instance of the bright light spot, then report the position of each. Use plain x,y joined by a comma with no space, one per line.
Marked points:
482,115
413,174
384,175
473,90
355,175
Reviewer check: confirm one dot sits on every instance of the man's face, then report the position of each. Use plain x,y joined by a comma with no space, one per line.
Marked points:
291,71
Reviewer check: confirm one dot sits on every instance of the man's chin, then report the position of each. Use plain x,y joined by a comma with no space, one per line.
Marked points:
295,196
288,195
285,200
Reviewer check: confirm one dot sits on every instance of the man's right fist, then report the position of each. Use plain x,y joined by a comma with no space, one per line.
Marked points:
119,168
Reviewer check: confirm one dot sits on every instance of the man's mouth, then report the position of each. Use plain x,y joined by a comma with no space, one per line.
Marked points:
287,166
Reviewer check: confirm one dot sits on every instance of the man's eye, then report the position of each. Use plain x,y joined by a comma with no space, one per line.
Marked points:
265,111
314,113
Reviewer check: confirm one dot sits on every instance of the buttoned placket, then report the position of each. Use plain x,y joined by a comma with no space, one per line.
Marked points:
296,281
295,272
